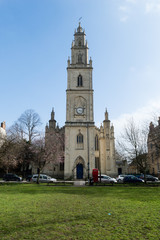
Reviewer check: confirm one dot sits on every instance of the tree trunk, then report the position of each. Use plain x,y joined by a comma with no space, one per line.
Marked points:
38,171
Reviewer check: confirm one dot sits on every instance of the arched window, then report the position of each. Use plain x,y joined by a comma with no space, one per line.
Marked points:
97,164
79,81
96,143
80,144
79,138
61,166
80,58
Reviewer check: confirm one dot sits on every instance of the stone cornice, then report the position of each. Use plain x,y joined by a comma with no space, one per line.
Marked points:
79,90
79,67
79,124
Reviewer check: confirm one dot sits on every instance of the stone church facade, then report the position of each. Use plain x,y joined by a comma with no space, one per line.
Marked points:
54,141
86,146
154,149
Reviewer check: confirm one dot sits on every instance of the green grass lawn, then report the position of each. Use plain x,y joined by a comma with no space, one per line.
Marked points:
28,211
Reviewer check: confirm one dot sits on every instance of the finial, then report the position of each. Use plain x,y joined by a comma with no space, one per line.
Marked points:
151,126
90,62
106,115
79,29
52,114
101,128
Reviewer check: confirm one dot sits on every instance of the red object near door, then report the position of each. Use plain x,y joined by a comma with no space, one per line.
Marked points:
95,174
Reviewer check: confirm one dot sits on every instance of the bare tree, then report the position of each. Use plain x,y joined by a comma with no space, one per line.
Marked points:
54,147
8,155
121,161
38,161
16,132
16,152
25,156
133,144
48,151
27,124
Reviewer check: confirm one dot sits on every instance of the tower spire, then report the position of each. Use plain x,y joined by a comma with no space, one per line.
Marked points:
52,121
79,29
106,114
52,114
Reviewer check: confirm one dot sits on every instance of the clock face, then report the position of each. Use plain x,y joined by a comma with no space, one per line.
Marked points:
79,110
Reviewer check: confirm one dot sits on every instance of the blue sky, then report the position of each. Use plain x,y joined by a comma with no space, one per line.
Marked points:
124,43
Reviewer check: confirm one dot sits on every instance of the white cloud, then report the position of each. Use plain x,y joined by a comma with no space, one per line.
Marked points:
152,6
145,6
124,12
131,1
123,8
142,115
124,19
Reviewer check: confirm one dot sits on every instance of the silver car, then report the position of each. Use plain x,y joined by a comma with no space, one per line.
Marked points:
106,179
120,178
43,178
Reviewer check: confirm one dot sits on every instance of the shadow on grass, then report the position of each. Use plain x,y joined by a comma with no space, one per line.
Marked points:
42,224
131,192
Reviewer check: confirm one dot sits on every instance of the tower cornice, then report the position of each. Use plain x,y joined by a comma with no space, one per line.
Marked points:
77,90
79,67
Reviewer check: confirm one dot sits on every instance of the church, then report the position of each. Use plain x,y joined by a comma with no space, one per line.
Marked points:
85,146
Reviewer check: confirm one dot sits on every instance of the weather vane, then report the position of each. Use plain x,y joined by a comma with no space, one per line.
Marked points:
80,18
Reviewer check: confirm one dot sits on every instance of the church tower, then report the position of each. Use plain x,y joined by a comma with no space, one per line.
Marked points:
86,146
79,125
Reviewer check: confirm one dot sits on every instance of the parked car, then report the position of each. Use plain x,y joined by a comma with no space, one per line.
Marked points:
152,178
149,178
11,177
43,178
106,179
29,178
132,179
120,178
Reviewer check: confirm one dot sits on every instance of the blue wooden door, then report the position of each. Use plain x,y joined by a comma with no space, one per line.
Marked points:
79,171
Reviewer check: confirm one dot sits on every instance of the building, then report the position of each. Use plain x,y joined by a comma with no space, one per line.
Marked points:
86,146
2,132
154,149
122,165
54,140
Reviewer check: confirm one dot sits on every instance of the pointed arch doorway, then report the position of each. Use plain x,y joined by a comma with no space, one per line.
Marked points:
79,168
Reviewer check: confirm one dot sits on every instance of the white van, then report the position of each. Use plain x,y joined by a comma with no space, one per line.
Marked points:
43,178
